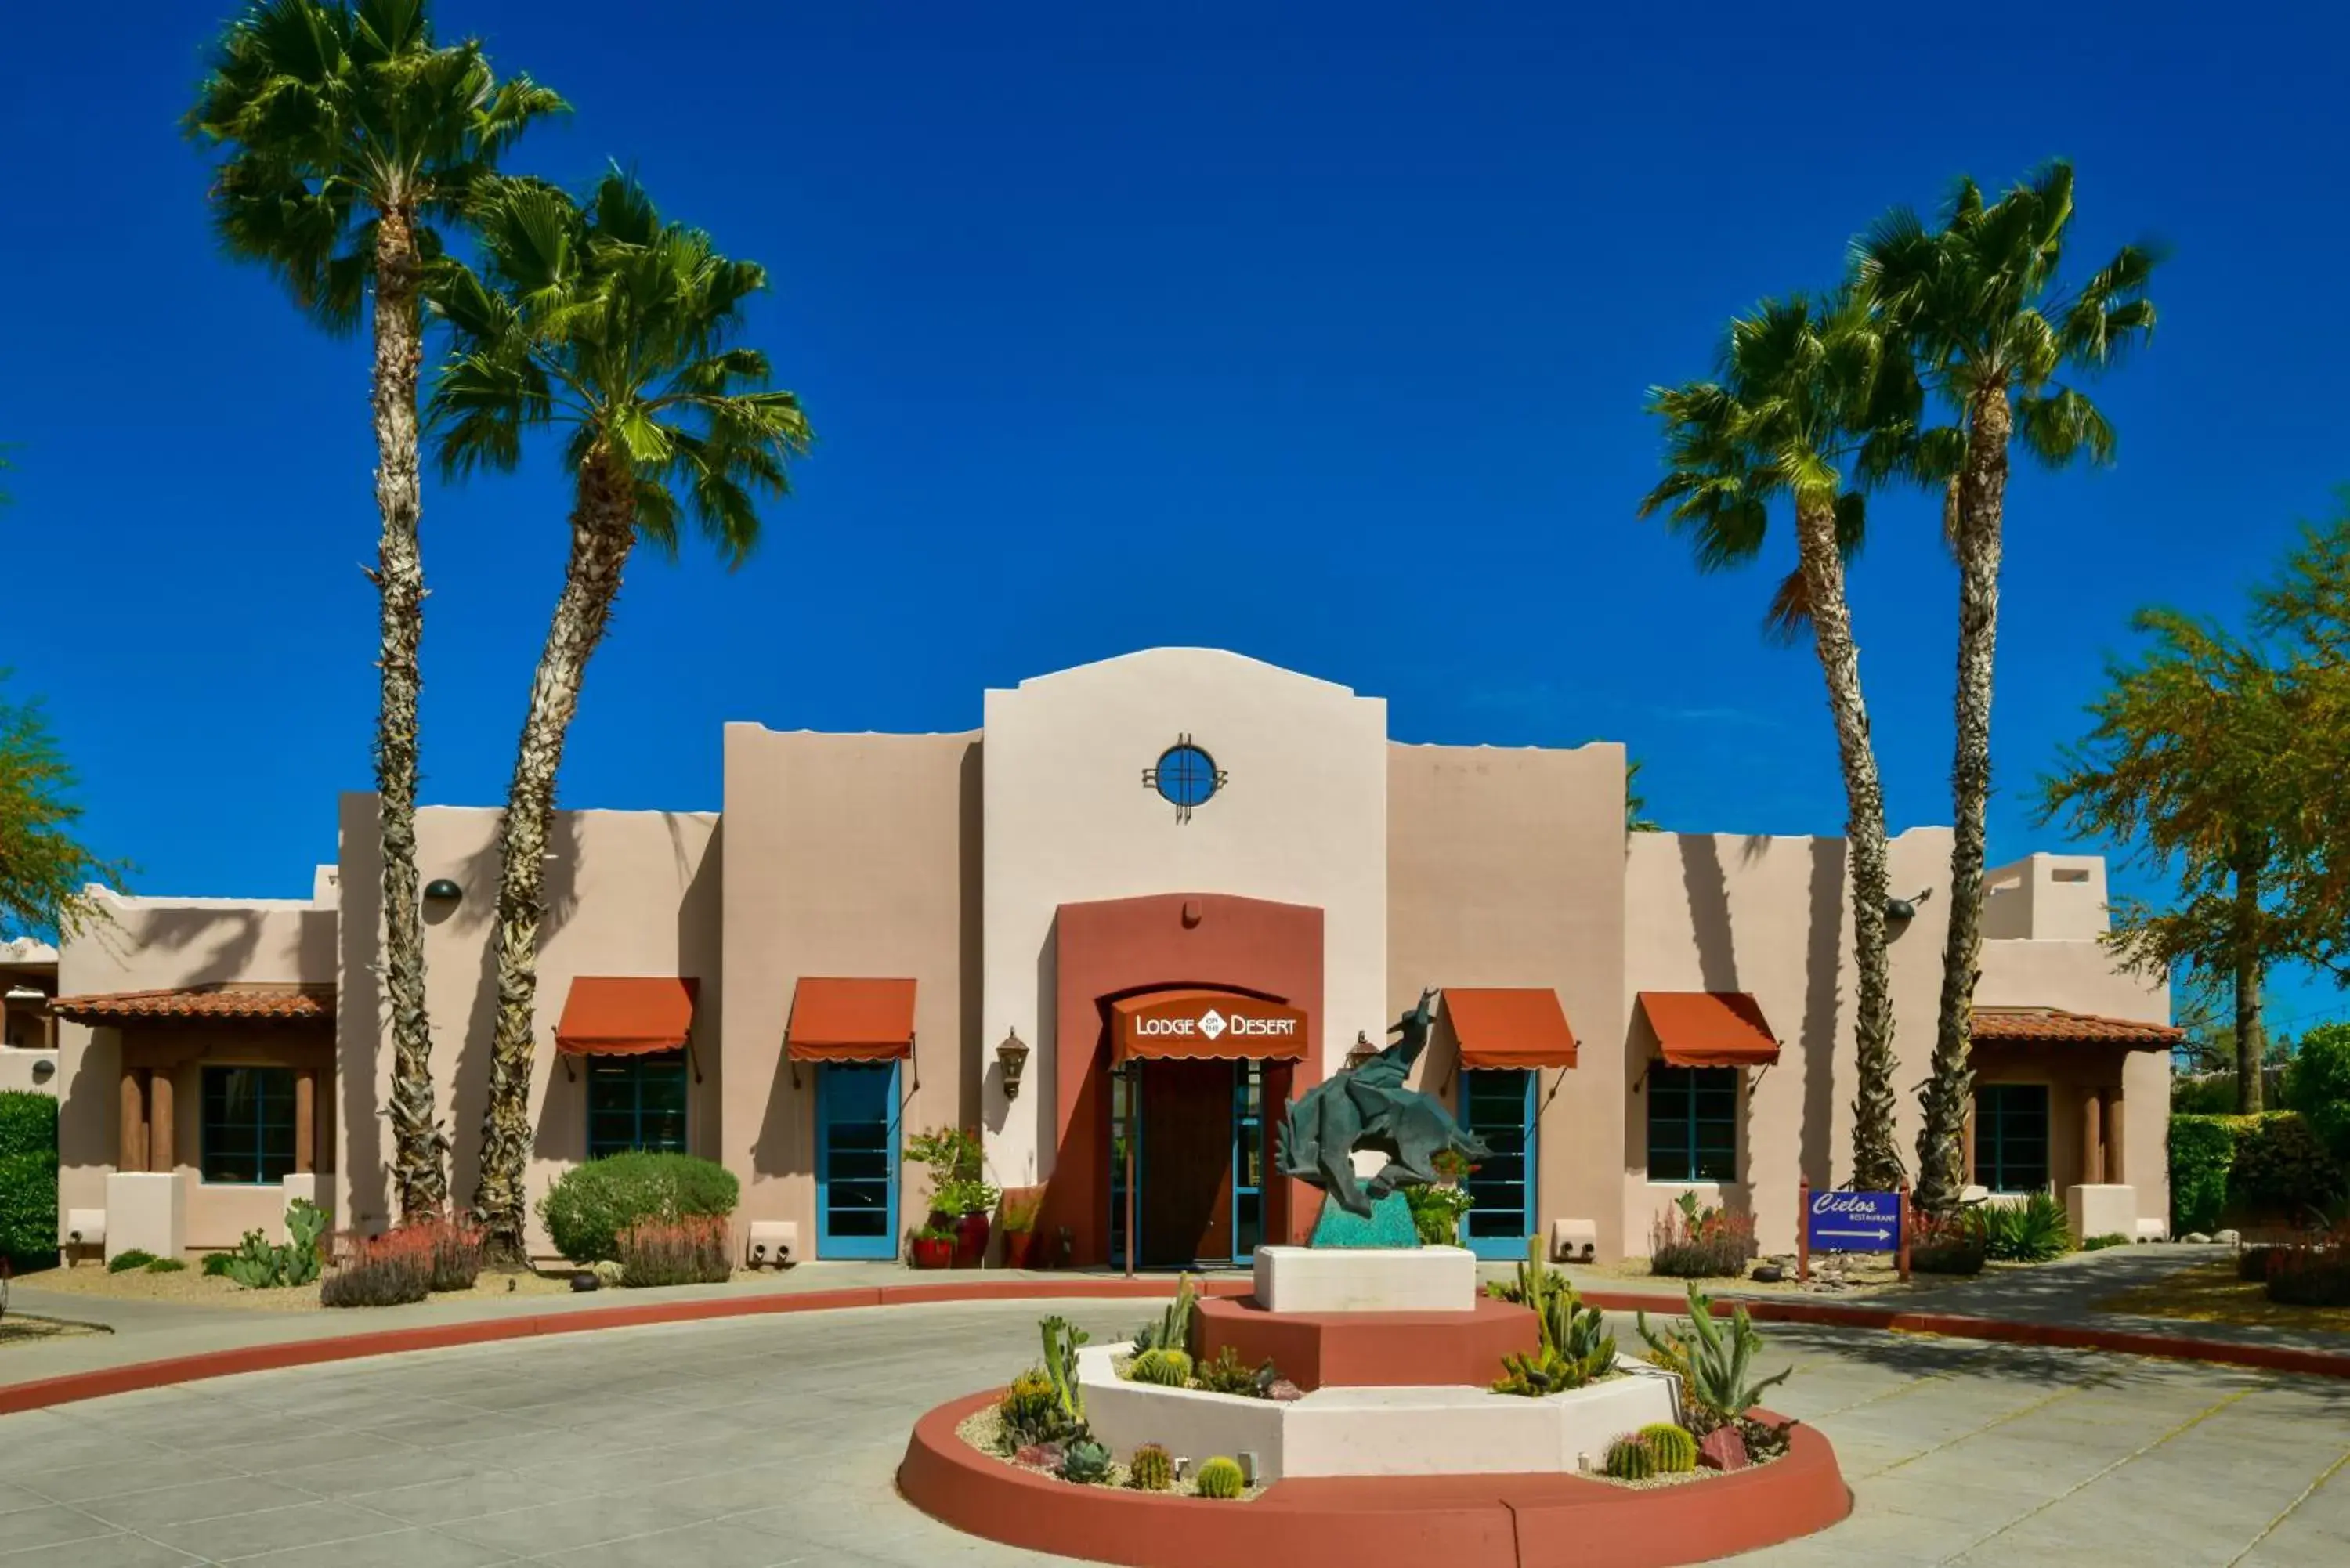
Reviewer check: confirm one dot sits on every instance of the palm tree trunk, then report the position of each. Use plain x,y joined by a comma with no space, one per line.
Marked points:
420,1175
2250,1038
1876,1156
603,527
1982,493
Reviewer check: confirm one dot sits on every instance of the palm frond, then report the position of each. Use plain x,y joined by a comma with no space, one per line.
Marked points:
2058,428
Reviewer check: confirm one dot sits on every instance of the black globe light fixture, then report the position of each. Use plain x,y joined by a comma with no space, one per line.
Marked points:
1903,910
442,890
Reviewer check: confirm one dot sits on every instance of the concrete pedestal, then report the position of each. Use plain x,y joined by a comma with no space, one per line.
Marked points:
1323,1279
2108,1209
146,1211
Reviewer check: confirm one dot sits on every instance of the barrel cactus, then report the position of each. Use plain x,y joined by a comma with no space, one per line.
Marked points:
1219,1478
1631,1459
1167,1368
1086,1463
1152,1469
1674,1447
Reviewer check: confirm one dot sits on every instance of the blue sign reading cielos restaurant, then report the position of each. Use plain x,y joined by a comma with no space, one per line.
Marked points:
1853,1223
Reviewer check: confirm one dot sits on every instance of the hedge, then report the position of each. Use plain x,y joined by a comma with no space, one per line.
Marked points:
2222,1164
590,1205
2317,1085
29,1178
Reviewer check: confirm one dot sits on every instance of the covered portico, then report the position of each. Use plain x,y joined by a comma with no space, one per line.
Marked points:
2050,1110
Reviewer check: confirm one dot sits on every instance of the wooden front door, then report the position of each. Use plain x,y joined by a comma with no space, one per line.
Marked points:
1184,1200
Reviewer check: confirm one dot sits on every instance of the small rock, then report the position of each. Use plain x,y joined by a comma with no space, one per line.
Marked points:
1040,1456
2196,1239
582,1281
1723,1449
1767,1274
1284,1390
2226,1238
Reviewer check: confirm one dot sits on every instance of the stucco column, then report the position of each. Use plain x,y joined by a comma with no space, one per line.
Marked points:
305,1121
162,1154
2093,1150
2115,1171
134,1150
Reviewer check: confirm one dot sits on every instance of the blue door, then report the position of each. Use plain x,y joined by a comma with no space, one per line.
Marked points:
1498,1106
856,1159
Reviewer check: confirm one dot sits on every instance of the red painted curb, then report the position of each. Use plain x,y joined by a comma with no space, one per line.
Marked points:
1461,1521
41,1392
2007,1330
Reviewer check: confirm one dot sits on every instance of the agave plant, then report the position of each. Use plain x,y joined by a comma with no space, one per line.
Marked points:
1715,1360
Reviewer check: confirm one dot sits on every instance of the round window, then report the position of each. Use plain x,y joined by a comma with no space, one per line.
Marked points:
1186,776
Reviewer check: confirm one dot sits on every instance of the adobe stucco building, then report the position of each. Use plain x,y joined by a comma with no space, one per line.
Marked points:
1168,891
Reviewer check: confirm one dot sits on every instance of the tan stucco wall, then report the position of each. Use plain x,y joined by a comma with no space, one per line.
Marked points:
1506,868
1303,820
2052,897
627,893
1768,915
148,944
855,855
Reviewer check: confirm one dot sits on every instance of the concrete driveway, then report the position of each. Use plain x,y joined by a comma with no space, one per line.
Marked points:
755,1442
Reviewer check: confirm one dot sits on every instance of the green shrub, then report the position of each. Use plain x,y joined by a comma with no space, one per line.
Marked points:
215,1264
135,1258
1031,1410
1674,1447
28,1179
2201,1150
1219,1478
166,1266
1152,1469
1631,1458
259,1266
2309,1276
590,1206
2099,1243
2280,1164
1436,1213
1951,1243
2032,1232
2317,1086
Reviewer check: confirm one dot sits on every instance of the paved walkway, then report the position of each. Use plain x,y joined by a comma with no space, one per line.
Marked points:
2060,1293
749,1443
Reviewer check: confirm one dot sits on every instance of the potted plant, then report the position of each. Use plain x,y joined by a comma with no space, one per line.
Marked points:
934,1247
1020,1206
961,1199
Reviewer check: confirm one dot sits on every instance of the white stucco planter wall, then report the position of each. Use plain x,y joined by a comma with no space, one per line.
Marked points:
1377,1278
2107,1209
146,1211
1384,1431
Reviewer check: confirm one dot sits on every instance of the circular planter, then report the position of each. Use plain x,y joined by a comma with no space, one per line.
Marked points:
1463,1521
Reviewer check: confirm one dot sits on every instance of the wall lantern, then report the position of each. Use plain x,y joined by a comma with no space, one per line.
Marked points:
1013,1056
1363,1051
1904,910
442,890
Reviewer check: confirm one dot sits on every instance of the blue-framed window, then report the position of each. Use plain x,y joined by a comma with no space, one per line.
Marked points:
1248,1159
247,1133
2011,1137
636,1103
1692,1124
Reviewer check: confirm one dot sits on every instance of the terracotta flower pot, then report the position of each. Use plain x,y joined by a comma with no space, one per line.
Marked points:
932,1254
971,1240
1015,1248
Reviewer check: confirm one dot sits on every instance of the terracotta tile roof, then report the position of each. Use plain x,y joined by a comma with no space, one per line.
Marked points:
2027,1024
256,1003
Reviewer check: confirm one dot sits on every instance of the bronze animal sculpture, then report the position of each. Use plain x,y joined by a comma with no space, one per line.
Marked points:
1369,1107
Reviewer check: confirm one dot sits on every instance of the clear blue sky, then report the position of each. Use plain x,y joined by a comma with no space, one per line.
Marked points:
1318,332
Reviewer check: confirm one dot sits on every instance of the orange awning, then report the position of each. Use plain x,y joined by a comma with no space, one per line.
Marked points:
1510,1027
624,1015
1710,1028
1192,1025
837,1019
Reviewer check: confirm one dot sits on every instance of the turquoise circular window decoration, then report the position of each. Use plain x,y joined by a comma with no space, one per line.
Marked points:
1186,776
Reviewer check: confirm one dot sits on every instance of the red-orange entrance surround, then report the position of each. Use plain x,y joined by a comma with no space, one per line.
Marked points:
1134,960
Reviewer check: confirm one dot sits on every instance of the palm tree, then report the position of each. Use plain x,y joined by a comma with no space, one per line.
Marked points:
1811,407
349,133
604,321
1979,305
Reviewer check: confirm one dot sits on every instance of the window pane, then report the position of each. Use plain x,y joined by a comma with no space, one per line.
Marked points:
246,1132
